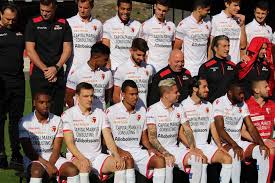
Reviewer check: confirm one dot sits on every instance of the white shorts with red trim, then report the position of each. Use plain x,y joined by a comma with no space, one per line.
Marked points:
142,159
179,153
208,150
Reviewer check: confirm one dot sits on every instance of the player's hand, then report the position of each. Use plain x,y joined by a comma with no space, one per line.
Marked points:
169,159
241,19
199,155
51,170
154,151
245,58
50,72
124,154
120,162
85,163
238,151
53,80
264,150
221,148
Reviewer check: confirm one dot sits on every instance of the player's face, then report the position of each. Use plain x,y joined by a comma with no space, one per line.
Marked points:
47,12
124,11
238,95
8,18
130,96
233,7
160,11
138,56
260,15
173,95
42,104
176,63
264,89
204,11
84,9
203,90
101,60
262,52
85,98
222,50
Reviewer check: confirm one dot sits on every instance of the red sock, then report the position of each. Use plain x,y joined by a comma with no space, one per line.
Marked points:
271,158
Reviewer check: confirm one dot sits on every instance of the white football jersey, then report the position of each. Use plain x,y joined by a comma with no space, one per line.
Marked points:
254,29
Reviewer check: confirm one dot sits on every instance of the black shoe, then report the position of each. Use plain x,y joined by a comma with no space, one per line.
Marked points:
16,161
3,160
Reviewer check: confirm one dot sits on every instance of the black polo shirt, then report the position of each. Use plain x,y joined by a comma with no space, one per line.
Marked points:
49,37
11,51
219,73
182,79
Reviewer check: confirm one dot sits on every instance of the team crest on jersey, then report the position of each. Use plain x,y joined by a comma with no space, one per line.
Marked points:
207,109
94,119
229,68
268,110
19,34
147,73
53,128
206,26
169,28
138,117
133,29
178,115
57,27
95,27
217,101
240,109
103,76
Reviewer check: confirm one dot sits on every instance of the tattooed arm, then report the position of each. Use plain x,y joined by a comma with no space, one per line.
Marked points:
189,135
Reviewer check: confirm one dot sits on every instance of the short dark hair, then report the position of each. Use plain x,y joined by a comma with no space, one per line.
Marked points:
83,85
201,4
100,48
163,2
140,44
195,82
235,84
124,1
91,2
38,93
9,6
48,2
128,83
263,5
215,41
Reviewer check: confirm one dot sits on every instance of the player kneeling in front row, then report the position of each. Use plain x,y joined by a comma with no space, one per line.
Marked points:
41,137
230,114
163,122
199,116
128,123
83,127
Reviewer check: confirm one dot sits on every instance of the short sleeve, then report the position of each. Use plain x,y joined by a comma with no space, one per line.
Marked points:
217,108
211,114
245,110
152,73
106,31
105,121
144,33
72,81
29,32
68,37
118,77
180,31
23,132
100,33
150,118
110,82
213,28
60,129
66,119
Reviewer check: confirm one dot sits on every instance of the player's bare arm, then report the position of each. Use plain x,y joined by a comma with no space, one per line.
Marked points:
108,95
116,95
219,122
189,135
178,44
106,42
256,136
215,135
34,57
107,135
146,143
245,134
182,137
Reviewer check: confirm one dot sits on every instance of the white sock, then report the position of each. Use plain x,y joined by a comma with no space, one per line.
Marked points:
35,180
262,165
195,172
84,177
169,174
159,175
130,176
204,173
120,176
74,179
225,173
236,168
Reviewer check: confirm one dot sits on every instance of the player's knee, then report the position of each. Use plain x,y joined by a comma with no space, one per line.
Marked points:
129,163
226,159
69,170
37,170
158,162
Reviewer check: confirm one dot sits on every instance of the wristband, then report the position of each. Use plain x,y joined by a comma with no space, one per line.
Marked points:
57,67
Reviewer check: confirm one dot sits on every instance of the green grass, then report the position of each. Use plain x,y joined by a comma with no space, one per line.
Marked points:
8,176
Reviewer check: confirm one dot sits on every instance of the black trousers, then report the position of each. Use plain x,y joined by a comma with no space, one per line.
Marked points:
12,100
56,90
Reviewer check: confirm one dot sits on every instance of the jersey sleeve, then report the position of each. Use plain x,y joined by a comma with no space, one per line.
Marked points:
60,129
180,31
118,77
144,33
100,33
68,37
23,132
105,121
213,28
106,31
150,117
211,114
66,119
29,32
217,108
245,110
72,81
110,82
202,71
